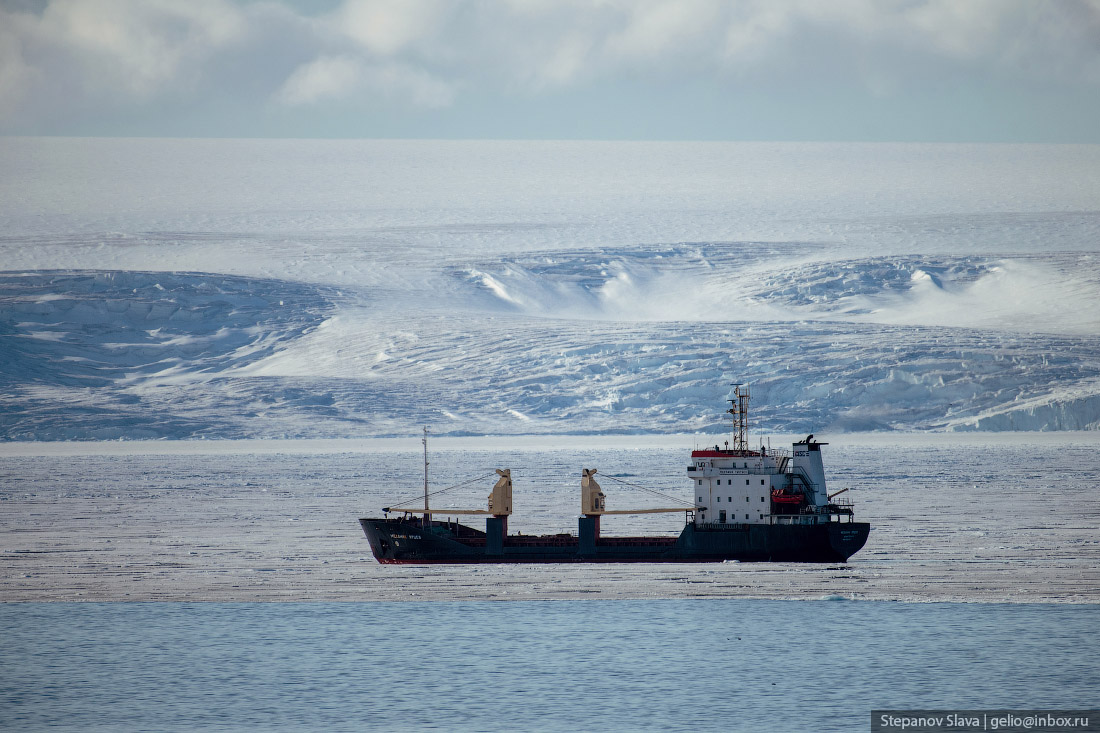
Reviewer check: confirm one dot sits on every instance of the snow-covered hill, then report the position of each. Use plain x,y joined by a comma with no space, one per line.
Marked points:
535,315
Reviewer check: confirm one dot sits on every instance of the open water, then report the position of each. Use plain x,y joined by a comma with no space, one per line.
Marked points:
667,665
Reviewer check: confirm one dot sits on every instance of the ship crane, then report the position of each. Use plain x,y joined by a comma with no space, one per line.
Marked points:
593,500
594,504
500,498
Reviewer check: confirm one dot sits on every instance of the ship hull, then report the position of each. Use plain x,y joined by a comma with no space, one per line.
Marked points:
408,541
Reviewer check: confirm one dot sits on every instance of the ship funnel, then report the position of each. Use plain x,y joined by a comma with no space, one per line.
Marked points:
807,470
592,498
500,500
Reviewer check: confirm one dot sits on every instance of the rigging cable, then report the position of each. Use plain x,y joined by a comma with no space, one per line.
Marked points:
396,507
643,488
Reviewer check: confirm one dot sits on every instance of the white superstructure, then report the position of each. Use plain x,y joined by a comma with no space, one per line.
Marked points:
738,485
735,486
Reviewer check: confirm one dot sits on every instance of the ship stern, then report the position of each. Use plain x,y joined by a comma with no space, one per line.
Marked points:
847,538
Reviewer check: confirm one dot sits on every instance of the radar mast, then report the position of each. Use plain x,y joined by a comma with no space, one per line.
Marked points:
427,511
739,409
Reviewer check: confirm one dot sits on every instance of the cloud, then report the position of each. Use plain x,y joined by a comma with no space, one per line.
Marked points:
89,57
386,27
15,74
666,32
346,77
410,83
129,46
323,78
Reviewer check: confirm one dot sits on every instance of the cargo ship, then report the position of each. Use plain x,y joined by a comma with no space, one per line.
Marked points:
748,504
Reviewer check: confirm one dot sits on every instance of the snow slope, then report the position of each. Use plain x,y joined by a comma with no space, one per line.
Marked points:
239,289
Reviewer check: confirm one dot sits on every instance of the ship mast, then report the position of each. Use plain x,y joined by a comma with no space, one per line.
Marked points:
427,512
739,409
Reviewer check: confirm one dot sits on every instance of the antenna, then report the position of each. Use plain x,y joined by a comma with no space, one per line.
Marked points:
424,440
739,409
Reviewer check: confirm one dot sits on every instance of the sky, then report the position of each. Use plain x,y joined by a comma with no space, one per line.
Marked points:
813,70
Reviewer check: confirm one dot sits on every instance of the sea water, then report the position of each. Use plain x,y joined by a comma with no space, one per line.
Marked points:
663,665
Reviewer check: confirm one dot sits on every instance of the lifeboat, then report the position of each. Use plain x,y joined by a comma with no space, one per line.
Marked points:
787,501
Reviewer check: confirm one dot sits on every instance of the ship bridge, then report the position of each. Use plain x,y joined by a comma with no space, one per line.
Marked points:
735,484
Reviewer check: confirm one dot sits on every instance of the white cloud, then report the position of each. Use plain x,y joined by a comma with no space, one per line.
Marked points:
136,46
77,54
15,75
327,77
567,60
348,77
658,29
409,83
386,27
755,32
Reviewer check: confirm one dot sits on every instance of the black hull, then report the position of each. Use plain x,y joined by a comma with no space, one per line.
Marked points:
409,541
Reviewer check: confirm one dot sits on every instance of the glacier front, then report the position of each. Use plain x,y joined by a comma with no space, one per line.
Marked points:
316,289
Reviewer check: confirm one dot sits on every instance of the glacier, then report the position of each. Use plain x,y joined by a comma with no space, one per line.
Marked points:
221,289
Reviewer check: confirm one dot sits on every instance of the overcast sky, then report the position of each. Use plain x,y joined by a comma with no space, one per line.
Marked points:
904,70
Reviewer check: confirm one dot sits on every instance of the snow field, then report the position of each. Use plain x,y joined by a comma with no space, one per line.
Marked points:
294,289
106,355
